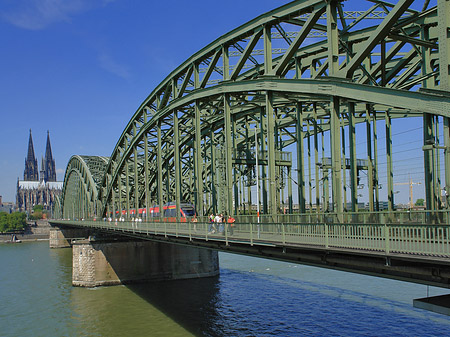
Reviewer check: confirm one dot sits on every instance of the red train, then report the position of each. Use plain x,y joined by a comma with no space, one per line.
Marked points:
187,211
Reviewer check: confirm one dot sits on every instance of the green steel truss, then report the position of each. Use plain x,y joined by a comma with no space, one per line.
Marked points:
82,181
193,138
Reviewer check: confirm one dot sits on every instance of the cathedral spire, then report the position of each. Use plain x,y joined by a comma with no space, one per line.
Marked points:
48,148
30,155
48,162
31,172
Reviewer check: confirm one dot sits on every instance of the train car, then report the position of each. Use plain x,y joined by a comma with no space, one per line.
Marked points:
187,211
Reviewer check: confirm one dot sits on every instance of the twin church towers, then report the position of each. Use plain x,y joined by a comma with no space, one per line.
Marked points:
38,187
48,171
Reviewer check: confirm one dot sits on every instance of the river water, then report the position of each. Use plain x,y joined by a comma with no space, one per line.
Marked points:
251,297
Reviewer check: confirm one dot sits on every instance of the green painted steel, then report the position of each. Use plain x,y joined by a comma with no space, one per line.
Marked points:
193,138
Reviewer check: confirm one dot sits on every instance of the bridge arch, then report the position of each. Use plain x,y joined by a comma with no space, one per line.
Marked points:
80,190
267,87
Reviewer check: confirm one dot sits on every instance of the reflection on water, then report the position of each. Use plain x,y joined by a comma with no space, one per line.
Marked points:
250,297
174,308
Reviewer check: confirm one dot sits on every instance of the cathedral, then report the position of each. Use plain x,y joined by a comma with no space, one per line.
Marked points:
38,187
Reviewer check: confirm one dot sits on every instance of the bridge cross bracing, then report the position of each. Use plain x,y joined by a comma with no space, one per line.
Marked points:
300,86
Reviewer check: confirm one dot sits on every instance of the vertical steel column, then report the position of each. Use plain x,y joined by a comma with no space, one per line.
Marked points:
300,159
336,162
146,187
226,63
428,82
278,173
332,38
127,186
136,182
438,166
271,152
176,145
309,164
159,169
213,170
428,160
198,176
325,184
375,161
191,172
235,173
369,158
353,161
263,156
344,163
168,191
298,68
207,180
428,154
389,169
113,200
268,69
290,201
433,165
228,152
316,158
248,155
119,184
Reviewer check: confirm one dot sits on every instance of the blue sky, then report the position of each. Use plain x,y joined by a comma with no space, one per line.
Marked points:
81,68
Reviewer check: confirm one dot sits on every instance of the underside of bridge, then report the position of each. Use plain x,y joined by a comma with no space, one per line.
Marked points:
271,113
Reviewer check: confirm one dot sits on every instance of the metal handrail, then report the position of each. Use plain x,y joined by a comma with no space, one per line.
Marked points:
423,239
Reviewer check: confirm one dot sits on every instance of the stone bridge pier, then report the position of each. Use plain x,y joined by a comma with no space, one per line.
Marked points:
120,262
101,261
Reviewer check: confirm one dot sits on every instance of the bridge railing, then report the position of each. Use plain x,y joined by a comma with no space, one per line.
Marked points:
380,217
417,239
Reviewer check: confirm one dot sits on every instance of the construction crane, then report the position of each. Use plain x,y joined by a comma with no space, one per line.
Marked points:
410,183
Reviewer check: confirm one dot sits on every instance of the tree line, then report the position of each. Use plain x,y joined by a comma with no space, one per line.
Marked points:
12,222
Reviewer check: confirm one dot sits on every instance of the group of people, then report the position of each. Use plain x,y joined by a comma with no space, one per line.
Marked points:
219,222
134,221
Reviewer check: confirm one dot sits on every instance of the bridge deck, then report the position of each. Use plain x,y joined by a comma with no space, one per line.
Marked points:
416,253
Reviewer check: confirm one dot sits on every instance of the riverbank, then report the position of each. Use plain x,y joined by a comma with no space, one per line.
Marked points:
36,231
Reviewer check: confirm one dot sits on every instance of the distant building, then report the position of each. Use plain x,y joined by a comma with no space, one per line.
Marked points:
7,207
33,191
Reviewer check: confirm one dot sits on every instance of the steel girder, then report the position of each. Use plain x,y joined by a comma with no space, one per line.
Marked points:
189,138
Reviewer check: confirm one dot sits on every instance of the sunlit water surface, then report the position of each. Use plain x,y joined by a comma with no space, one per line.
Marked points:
251,297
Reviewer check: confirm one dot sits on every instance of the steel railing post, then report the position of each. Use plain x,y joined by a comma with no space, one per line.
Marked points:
386,238
226,233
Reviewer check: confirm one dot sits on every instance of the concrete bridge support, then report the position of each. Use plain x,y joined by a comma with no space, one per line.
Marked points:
100,263
61,237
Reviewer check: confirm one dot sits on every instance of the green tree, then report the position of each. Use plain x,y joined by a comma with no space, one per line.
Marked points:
36,215
3,221
420,202
12,222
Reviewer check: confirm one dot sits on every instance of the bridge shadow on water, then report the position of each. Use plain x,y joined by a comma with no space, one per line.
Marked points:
191,303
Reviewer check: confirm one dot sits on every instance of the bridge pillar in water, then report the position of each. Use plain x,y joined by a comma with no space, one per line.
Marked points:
61,237
101,263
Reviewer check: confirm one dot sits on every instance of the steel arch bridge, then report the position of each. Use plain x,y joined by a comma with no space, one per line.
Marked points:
253,108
